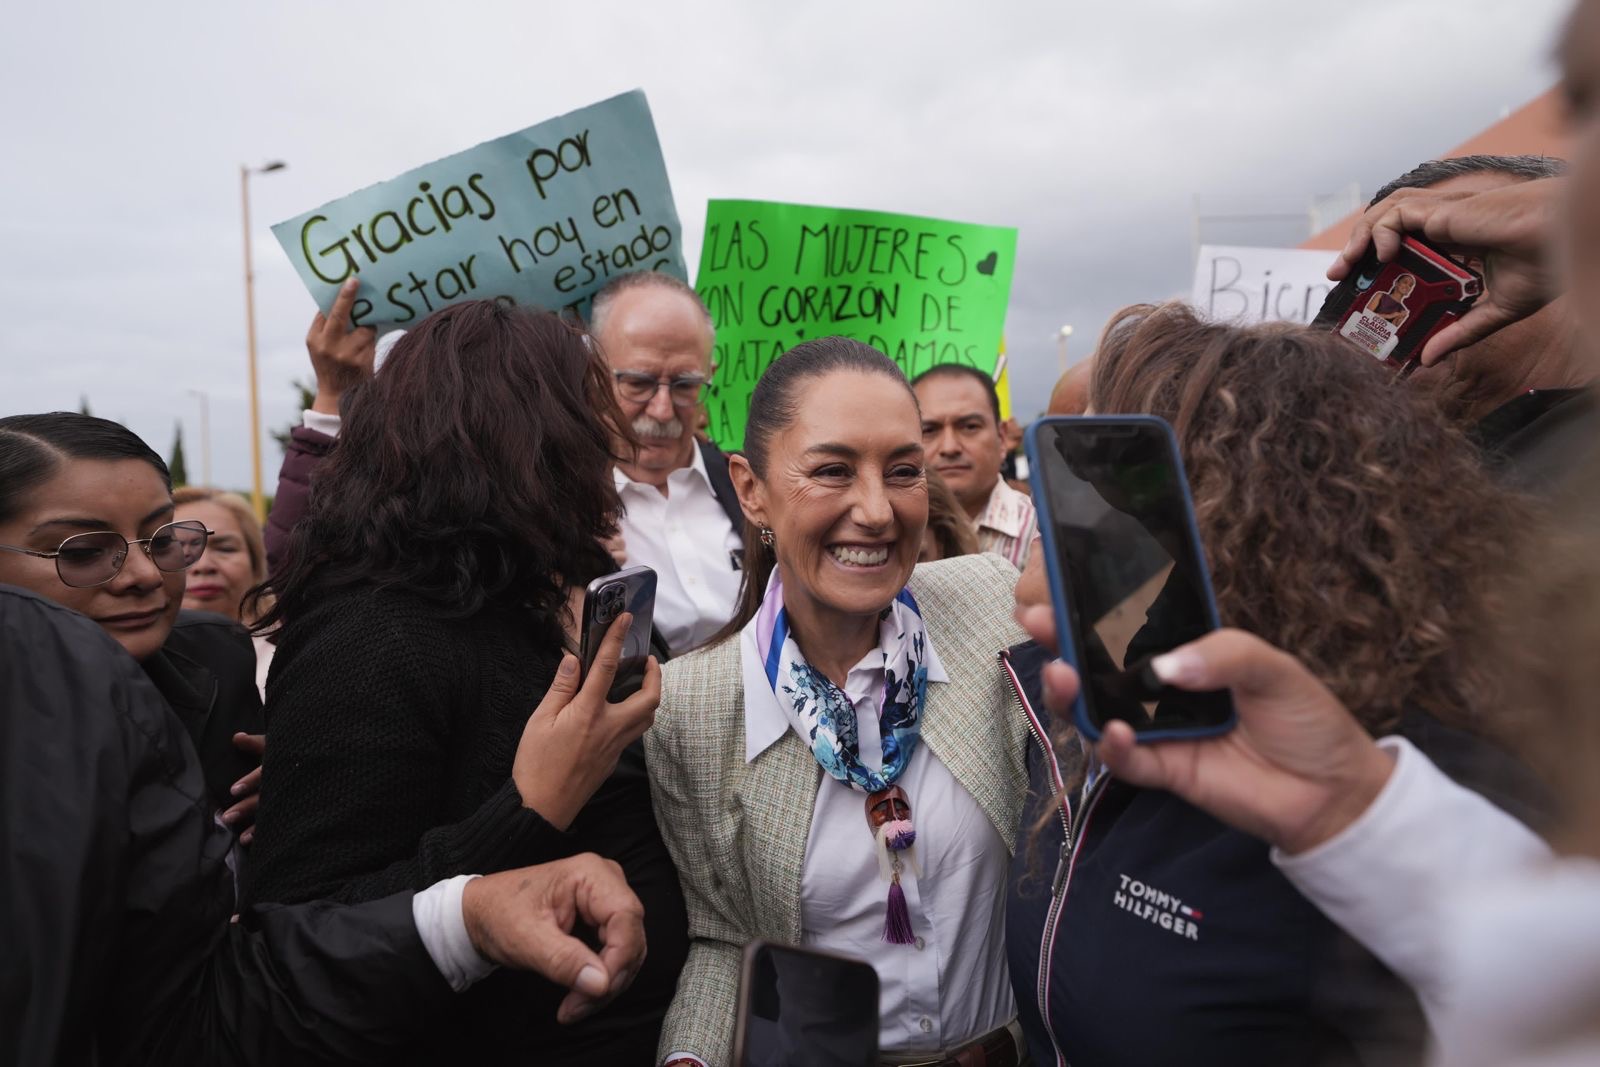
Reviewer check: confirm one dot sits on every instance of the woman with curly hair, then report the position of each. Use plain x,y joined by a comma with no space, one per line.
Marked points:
1343,517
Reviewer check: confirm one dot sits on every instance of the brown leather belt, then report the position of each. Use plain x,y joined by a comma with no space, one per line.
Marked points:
998,1048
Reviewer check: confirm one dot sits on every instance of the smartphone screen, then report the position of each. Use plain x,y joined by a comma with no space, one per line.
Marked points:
1126,568
801,1008
634,591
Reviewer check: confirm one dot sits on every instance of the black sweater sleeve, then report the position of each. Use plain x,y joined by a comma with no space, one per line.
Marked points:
363,706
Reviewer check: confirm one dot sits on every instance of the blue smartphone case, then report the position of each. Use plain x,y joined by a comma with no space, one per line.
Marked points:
1065,636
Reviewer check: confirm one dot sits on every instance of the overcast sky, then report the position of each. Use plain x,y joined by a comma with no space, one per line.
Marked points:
1091,127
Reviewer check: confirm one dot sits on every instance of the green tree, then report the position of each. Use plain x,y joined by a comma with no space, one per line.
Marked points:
175,465
307,395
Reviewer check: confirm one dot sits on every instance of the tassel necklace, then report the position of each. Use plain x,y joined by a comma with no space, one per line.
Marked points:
889,822
824,717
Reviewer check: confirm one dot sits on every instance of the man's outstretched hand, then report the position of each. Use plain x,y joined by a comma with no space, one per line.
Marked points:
524,919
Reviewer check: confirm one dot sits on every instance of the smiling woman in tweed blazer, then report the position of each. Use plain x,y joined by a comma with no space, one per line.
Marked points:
843,768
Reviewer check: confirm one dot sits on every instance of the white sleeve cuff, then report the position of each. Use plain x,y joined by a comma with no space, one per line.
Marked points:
443,929
1381,878
320,421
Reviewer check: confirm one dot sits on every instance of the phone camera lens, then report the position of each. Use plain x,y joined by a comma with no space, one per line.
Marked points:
612,601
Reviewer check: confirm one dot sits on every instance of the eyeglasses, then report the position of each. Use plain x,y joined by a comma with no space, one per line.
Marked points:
89,559
637,387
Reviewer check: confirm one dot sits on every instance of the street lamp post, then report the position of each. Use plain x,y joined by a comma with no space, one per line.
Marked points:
257,501
205,435
1061,346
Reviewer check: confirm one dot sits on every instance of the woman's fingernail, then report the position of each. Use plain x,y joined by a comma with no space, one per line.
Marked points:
237,788
569,665
229,818
352,283
592,982
1180,667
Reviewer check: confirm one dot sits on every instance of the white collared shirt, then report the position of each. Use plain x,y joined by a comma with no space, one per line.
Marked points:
1008,524
686,538
957,902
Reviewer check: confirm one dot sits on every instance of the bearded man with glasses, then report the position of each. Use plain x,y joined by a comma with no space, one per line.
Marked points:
682,519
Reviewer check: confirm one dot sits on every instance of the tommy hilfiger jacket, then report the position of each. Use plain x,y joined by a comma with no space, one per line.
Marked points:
1142,931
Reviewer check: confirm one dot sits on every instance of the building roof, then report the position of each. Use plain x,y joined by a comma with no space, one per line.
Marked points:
1536,129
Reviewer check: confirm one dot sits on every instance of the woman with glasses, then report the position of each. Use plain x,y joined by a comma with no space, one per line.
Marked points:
427,720
87,520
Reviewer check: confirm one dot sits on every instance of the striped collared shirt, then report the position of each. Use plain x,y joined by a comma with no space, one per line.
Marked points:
1008,524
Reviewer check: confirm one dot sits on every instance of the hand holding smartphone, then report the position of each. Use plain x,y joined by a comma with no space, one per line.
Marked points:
598,703
1390,310
632,590
1128,577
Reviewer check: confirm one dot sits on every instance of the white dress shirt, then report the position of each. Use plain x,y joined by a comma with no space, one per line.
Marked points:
952,984
442,926
687,539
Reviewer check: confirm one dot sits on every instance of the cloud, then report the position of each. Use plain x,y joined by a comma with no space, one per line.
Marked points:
1092,128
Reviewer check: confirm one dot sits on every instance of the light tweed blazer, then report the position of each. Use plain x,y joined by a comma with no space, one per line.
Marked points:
738,831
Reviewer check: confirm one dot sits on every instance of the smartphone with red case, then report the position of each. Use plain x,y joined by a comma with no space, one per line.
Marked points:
1389,310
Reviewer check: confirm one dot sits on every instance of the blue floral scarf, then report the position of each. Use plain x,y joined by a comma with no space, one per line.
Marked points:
820,711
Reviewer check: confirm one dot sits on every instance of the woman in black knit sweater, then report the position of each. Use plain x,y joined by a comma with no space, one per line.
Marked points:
422,600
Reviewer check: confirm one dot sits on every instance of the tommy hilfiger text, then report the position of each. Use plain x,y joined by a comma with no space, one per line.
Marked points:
1163,909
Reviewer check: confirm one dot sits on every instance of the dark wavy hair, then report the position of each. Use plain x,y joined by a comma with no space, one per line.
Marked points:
33,446
474,467
1344,517
773,405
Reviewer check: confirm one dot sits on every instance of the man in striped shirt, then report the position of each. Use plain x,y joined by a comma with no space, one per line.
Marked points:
961,440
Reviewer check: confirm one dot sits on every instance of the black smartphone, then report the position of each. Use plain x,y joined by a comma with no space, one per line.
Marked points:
1127,573
802,1008
630,590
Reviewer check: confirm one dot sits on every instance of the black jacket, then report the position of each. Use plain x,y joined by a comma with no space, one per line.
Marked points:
115,944
1535,440
1161,936
207,671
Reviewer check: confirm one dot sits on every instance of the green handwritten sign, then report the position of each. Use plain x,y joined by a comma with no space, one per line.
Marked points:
542,217
923,291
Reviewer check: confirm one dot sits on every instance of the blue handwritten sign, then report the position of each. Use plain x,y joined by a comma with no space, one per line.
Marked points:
542,217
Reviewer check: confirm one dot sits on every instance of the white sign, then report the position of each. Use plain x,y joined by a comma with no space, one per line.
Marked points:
1237,284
